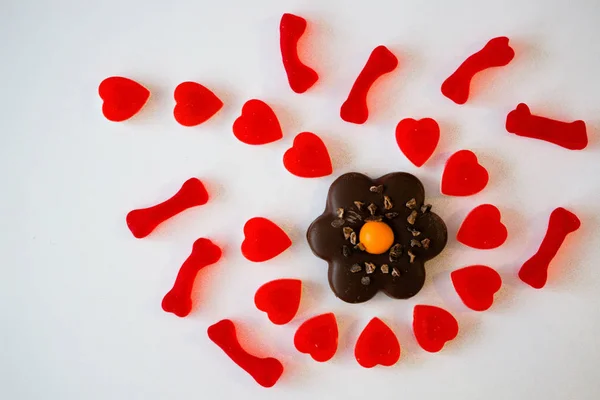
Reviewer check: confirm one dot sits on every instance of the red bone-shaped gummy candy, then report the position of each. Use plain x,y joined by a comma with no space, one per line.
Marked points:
535,270
380,62
300,76
142,222
179,299
570,135
496,53
265,371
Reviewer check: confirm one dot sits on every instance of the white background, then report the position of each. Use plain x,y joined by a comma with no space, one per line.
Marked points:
80,311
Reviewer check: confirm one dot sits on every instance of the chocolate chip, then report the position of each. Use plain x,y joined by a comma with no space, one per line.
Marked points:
353,238
372,208
346,251
395,252
411,204
412,217
391,215
359,205
360,247
355,268
411,230
370,267
385,268
425,208
415,243
376,218
347,232
376,189
387,203
425,242
337,223
395,272
353,217
365,280
412,256
340,212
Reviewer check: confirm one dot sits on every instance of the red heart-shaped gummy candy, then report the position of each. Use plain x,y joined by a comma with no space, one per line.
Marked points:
433,327
318,337
195,104
263,240
476,286
417,139
280,299
377,344
482,228
122,97
463,175
308,157
258,124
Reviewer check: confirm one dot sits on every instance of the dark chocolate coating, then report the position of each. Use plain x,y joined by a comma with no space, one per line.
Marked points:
327,241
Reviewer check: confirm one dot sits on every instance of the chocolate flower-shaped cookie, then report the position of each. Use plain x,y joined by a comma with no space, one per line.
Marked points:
377,235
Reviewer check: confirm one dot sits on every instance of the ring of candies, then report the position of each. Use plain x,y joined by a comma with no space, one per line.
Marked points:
280,299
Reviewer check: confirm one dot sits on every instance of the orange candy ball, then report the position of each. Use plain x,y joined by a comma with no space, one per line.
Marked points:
377,237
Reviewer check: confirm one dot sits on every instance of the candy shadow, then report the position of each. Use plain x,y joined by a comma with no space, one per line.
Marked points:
340,153
349,328
289,124
449,132
312,296
469,329
411,354
499,173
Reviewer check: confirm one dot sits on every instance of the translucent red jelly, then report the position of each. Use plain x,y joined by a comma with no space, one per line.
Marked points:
308,157
482,228
123,98
263,240
476,286
257,125
318,337
377,345
280,299
300,76
433,327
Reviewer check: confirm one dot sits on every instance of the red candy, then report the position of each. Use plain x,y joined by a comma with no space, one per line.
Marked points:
377,344
496,53
142,222
380,62
463,175
280,299
265,371
308,157
179,299
258,124
195,104
476,286
433,327
263,240
535,270
417,139
482,228
300,76
318,337
123,98
570,135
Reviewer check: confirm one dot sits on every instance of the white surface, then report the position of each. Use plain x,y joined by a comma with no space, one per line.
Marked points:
80,310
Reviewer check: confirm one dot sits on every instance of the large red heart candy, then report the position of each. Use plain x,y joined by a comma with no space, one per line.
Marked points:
258,124
122,97
280,299
195,104
463,175
417,139
377,344
318,337
263,240
476,286
433,327
482,228
308,157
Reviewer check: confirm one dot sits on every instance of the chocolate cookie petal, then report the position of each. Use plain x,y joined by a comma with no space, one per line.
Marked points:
350,186
349,286
408,284
325,241
433,228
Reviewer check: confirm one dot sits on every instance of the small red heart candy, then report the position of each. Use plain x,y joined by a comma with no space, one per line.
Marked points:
263,240
280,299
417,139
377,344
122,97
482,228
195,104
318,337
258,124
463,175
476,286
308,157
433,327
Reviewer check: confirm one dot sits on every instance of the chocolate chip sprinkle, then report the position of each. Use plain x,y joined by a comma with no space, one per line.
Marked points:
340,212
365,280
391,215
376,218
412,256
411,219
346,251
372,208
387,203
355,268
425,243
395,252
395,272
353,217
347,232
360,247
370,267
411,204
376,189
359,205
415,243
353,238
411,230
338,223
385,268
425,208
